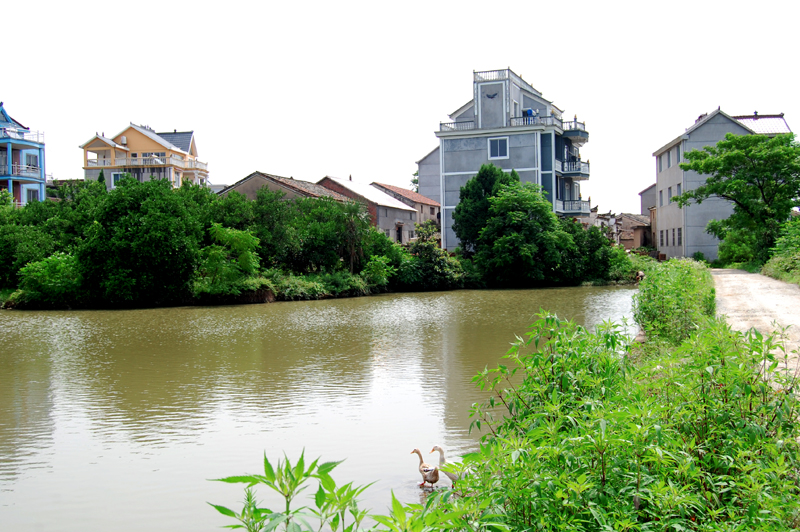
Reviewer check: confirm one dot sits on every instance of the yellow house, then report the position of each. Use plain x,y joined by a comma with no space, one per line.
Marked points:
144,154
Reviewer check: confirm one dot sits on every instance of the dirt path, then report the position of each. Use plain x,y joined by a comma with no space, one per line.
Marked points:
754,300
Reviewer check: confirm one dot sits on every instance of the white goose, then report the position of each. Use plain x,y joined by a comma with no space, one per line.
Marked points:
443,461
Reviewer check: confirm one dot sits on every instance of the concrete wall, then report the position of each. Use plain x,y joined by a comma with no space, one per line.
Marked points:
492,110
693,219
648,198
429,176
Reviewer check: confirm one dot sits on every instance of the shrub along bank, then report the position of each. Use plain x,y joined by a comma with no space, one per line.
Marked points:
584,431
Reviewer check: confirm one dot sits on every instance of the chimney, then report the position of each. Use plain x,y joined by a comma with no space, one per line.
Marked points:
351,177
755,114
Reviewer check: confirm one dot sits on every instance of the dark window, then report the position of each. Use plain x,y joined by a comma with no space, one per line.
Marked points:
498,148
669,194
673,237
678,153
669,158
659,163
661,237
660,198
680,237
679,190
433,211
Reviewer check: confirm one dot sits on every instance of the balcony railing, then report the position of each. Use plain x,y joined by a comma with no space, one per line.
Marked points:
456,126
573,125
21,170
535,121
498,75
33,136
172,160
576,167
580,206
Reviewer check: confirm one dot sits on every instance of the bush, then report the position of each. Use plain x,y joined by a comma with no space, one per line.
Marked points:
142,249
52,282
673,299
378,271
426,266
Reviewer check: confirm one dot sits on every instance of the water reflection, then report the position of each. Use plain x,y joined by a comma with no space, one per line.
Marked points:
119,417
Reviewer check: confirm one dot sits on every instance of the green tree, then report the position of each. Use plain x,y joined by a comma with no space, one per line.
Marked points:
523,243
141,249
426,266
472,212
759,175
415,181
102,177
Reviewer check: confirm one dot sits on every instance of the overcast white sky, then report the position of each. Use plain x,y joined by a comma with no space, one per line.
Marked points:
309,89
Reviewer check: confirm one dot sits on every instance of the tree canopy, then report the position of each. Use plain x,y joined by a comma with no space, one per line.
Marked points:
472,211
759,175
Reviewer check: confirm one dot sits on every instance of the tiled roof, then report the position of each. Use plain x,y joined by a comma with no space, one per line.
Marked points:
638,217
303,187
765,124
312,189
410,194
371,193
181,139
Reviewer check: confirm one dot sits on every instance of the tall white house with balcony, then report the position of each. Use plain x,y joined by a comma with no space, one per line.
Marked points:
21,160
144,154
509,124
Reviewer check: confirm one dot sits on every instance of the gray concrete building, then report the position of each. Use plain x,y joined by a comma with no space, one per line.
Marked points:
682,232
510,124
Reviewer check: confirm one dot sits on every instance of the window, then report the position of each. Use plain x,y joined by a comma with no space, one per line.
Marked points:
498,148
673,237
680,237
412,215
115,177
433,211
385,213
677,154
661,237
660,198
659,163
410,235
669,194
31,160
678,193
388,233
516,109
669,158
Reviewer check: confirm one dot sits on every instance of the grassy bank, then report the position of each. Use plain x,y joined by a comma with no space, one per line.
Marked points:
689,431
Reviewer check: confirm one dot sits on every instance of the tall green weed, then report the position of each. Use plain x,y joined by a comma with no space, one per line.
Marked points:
673,299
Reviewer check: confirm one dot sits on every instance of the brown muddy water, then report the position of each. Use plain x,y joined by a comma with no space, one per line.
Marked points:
114,420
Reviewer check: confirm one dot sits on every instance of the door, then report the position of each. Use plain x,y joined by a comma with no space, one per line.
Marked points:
399,234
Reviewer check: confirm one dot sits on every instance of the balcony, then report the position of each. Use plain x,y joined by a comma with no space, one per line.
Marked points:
456,126
577,170
572,207
575,131
126,162
19,170
18,134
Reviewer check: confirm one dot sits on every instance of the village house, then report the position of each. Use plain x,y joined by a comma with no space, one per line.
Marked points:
290,187
144,154
682,232
427,208
389,215
22,168
510,124
634,230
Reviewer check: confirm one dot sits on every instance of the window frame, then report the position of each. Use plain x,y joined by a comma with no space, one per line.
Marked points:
680,236
661,237
660,198
489,148
114,182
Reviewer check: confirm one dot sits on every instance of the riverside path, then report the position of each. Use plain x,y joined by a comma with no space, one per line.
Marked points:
754,300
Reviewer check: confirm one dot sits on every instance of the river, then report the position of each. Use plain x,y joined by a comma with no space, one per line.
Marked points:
114,420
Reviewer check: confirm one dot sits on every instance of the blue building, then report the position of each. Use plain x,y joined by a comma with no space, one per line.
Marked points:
21,160
510,124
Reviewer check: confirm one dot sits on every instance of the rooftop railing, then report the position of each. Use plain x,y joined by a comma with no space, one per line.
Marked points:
518,121
498,75
21,134
573,125
456,126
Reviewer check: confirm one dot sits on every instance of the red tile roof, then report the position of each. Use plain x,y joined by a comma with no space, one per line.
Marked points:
409,194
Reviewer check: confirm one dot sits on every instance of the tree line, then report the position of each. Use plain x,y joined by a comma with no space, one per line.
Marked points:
146,244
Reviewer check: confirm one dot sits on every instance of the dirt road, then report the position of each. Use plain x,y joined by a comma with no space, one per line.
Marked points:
754,300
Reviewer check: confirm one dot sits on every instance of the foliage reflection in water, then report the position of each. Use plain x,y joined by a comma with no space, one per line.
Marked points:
120,417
